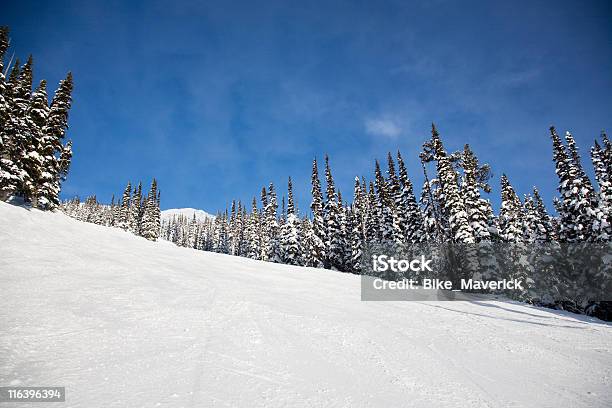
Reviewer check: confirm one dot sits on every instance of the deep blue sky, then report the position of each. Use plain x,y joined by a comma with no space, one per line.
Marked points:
216,99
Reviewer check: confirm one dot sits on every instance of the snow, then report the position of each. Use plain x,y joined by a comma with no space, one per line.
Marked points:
124,322
188,212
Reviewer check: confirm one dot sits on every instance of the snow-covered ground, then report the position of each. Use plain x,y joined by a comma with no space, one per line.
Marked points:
188,212
123,322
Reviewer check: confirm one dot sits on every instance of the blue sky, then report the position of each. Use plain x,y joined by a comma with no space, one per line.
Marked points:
216,99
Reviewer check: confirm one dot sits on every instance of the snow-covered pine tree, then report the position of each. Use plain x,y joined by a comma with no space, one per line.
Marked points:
372,218
4,44
11,170
317,250
604,221
136,210
64,161
23,141
355,229
398,210
151,216
253,232
413,229
511,217
55,131
538,223
112,214
290,243
588,193
333,232
10,175
272,248
244,246
384,206
478,210
345,231
479,213
305,238
512,222
232,229
221,244
40,162
124,218
264,236
452,203
576,215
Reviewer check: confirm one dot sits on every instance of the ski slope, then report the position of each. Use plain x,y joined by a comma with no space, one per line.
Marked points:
200,215
123,322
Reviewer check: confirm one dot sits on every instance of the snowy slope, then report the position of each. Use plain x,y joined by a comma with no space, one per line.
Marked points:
123,322
188,212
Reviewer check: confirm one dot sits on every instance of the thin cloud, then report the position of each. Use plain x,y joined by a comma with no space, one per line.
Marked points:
382,127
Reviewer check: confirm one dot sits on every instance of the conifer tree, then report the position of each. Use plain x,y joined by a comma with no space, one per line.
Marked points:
316,251
372,222
272,247
333,233
11,172
397,207
10,177
253,233
384,207
355,229
538,221
413,230
305,238
40,163
290,231
136,210
478,209
124,219
511,216
58,155
264,233
4,44
232,229
577,213
29,153
452,203
151,216
604,207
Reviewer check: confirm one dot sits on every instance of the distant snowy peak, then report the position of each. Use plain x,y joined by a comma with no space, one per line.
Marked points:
187,212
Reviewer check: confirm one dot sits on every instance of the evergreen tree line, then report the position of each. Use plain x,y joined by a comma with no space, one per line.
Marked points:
34,159
135,213
452,208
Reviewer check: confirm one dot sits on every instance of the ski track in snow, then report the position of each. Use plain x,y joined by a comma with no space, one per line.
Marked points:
123,322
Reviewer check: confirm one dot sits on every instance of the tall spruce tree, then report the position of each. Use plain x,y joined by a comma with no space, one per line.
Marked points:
135,220
41,163
413,230
272,248
511,216
604,207
452,203
333,233
397,207
290,231
9,171
124,219
151,216
58,154
384,206
576,213
317,251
